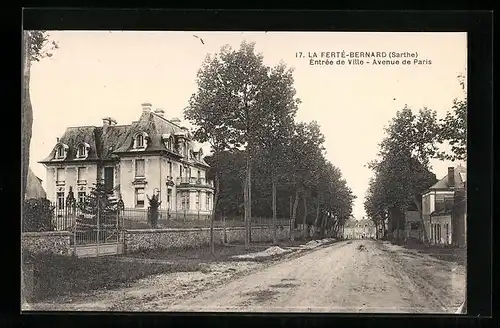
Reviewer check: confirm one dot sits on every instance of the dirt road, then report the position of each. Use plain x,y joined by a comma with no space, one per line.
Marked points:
349,276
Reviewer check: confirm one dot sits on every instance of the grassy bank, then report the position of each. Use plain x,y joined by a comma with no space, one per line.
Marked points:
49,275
54,275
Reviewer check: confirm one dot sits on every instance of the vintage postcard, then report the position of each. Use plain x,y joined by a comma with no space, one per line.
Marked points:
244,171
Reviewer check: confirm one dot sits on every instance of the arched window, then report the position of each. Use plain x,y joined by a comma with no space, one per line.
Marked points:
140,140
60,152
172,142
168,141
82,150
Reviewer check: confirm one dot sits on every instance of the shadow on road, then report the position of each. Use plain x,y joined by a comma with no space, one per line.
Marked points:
262,295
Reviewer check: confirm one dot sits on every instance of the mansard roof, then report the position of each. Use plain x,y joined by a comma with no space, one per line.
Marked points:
107,143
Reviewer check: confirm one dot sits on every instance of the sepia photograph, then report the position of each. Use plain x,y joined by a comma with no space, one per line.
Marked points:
205,171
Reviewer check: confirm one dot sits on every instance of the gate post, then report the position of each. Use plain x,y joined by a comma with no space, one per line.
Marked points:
74,237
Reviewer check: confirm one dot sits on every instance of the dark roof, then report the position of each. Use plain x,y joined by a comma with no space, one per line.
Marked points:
155,126
446,211
460,173
72,138
106,143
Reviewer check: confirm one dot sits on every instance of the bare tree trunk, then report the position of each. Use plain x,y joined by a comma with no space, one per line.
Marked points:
317,216
294,211
275,219
27,113
245,196
397,227
304,227
250,204
325,220
290,219
212,219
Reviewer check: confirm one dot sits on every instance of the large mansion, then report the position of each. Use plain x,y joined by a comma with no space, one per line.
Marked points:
153,155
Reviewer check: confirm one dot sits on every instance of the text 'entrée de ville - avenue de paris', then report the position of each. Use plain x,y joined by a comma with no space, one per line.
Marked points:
372,58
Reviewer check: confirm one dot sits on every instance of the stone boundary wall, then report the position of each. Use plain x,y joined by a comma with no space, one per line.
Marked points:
148,239
57,242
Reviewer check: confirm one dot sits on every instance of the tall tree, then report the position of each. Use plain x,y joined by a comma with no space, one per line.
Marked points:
404,165
376,206
313,162
304,154
36,45
280,107
242,78
209,110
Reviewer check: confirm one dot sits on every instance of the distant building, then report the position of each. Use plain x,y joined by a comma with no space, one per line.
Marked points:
34,187
444,209
359,229
413,226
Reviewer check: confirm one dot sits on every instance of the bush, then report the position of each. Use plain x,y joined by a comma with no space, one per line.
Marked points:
153,213
37,215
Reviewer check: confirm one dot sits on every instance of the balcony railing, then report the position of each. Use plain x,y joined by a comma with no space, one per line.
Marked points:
195,181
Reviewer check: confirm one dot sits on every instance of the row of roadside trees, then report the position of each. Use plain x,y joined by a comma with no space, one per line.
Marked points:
402,170
246,111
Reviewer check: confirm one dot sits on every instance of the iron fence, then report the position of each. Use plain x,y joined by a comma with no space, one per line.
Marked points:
134,218
88,228
84,226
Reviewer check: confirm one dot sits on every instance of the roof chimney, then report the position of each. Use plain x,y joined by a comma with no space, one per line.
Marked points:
160,112
112,121
175,120
105,122
146,107
451,177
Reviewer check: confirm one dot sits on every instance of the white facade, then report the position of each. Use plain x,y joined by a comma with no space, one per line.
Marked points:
152,156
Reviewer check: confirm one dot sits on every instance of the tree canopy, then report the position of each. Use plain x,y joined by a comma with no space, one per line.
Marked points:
453,128
402,170
246,110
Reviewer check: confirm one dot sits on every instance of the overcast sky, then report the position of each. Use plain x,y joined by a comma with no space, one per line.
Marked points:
98,74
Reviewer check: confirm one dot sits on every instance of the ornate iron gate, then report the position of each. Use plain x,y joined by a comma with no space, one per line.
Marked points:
97,230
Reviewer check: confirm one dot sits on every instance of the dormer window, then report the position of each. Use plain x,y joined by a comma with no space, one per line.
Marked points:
82,150
168,141
141,140
61,151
